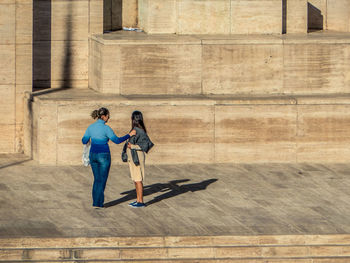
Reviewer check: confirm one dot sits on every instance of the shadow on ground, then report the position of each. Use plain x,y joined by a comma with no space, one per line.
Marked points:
171,189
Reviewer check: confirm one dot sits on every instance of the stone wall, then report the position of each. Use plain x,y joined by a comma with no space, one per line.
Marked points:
61,34
128,64
15,70
202,129
210,16
43,44
243,16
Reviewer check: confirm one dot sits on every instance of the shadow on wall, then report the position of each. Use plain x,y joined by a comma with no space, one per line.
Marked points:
315,18
284,16
41,44
112,15
42,47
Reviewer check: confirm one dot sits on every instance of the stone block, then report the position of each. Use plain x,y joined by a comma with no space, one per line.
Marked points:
255,133
95,65
235,240
24,22
8,1
20,96
11,254
7,138
7,104
237,252
203,17
111,69
24,70
72,120
143,253
146,241
256,17
7,64
47,254
130,13
95,17
195,252
32,131
7,22
157,16
316,68
285,252
161,69
323,133
338,15
70,83
242,69
185,130
97,254
46,134
69,62
19,138
329,251
28,121
191,136
69,20
296,16
188,241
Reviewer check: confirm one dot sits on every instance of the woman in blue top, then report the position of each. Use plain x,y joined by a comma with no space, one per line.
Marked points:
100,157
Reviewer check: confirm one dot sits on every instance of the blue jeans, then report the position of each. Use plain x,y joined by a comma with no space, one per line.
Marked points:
100,164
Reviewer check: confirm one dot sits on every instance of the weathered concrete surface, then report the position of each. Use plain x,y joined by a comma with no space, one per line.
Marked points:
301,64
44,41
198,129
15,70
130,13
296,16
184,200
242,16
210,16
63,45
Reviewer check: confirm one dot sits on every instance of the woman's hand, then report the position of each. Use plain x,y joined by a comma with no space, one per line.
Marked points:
129,145
132,133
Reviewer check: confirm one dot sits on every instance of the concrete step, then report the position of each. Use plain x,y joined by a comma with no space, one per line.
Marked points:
131,63
316,248
197,129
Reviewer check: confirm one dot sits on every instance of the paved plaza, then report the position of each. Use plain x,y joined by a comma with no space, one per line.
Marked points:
220,199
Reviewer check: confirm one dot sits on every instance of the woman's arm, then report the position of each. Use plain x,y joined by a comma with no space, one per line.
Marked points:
117,140
86,137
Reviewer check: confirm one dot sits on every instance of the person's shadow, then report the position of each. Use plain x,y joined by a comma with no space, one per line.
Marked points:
171,188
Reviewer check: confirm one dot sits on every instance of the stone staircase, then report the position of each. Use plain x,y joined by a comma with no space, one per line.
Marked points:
208,99
289,248
214,85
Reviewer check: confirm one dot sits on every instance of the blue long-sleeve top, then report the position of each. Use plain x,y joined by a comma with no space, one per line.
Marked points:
100,134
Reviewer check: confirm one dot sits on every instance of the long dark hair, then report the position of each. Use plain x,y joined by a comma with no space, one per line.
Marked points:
137,120
99,113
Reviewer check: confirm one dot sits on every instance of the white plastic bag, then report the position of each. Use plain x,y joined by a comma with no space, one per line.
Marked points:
86,153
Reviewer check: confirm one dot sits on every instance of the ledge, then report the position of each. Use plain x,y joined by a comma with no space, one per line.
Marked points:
74,96
141,38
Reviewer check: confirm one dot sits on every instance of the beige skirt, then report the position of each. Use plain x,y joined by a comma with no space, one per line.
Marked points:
137,173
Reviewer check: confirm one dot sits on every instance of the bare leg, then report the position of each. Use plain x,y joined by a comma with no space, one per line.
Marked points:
139,191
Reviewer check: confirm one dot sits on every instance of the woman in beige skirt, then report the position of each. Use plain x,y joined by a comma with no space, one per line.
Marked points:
137,148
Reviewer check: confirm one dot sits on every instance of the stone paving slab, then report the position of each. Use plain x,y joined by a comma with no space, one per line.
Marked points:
183,200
